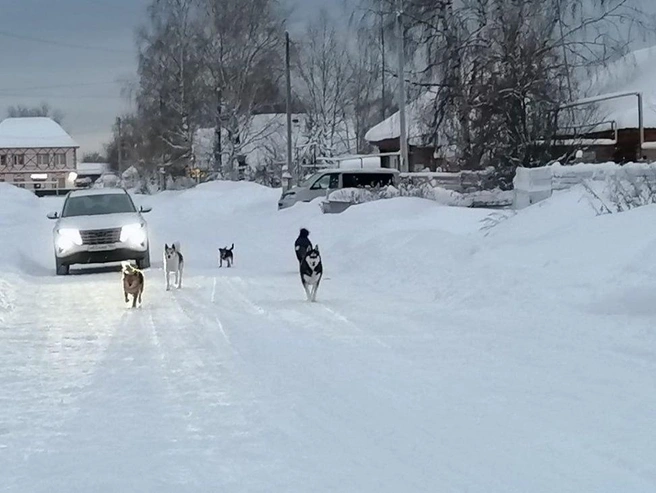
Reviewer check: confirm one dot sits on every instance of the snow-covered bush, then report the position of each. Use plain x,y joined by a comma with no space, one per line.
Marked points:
622,191
424,191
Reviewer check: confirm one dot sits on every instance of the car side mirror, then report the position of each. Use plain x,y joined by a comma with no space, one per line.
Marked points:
53,215
145,210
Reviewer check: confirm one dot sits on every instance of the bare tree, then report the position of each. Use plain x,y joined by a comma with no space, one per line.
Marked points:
241,47
169,95
44,109
499,69
324,77
93,157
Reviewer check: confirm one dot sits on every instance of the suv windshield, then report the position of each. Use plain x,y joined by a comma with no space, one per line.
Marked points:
92,205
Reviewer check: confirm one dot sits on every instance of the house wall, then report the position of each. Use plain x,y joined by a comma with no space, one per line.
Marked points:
17,166
420,157
626,150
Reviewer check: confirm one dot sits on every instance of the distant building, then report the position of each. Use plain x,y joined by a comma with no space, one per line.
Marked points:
612,133
37,153
88,173
422,152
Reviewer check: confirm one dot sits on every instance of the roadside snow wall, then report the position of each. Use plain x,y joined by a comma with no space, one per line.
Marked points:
533,185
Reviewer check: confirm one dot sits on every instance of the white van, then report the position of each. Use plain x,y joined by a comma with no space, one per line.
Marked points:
324,182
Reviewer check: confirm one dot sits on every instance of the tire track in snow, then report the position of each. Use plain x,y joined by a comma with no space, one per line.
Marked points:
317,316
286,378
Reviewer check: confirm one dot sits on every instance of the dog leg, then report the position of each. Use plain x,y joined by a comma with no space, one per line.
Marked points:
125,293
307,292
167,280
134,300
315,288
180,278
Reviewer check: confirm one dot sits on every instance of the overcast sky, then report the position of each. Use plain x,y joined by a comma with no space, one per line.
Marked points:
74,54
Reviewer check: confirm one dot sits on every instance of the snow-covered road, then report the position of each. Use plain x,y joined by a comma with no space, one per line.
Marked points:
464,371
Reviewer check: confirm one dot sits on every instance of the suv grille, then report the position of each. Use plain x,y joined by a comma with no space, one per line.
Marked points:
100,236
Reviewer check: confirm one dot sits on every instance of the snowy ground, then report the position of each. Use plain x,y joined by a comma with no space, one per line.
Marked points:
437,358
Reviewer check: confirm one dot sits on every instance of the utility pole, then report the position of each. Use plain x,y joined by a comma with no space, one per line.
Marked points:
218,151
382,59
288,71
120,148
403,134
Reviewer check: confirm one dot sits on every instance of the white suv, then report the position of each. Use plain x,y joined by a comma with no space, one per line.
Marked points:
98,226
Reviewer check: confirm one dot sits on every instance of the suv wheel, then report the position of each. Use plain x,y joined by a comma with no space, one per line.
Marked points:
144,262
62,269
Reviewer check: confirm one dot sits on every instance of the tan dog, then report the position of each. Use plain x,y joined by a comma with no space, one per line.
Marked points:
133,283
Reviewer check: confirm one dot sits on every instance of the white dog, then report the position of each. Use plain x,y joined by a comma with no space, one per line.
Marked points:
173,263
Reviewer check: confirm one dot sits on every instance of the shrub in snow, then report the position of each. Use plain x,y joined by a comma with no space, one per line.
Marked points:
623,190
424,191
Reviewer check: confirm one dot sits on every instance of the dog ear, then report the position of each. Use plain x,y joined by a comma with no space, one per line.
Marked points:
316,248
166,246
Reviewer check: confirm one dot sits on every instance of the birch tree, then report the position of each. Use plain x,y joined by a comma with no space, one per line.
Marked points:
241,47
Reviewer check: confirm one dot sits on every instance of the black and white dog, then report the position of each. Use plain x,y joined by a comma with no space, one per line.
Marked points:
302,245
226,254
173,264
311,271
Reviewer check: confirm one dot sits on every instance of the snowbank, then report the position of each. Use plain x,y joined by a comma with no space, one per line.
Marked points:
531,185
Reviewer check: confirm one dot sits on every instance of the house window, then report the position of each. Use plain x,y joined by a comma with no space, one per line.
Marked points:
19,159
60,159
3,160
43,159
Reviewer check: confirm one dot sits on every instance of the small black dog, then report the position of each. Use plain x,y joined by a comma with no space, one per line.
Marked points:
311,272
302,245
226,254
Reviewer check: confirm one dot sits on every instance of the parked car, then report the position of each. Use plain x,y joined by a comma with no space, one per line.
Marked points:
322,183
98,226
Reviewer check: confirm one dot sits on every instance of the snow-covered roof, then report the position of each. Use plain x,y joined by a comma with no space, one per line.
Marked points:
635,71
417,123
91,168
33,132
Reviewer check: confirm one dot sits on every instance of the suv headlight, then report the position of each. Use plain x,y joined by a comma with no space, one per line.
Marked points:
67,238
133,233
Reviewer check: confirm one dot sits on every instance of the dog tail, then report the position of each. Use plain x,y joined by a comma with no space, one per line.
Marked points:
232,247
176,244
304,233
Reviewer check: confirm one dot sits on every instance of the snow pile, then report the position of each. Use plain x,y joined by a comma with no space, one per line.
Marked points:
443,196
532,185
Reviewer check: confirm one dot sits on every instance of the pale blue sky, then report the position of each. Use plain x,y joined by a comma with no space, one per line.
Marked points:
90,50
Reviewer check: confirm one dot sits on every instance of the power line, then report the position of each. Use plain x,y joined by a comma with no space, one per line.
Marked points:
63,44
59,86
52,96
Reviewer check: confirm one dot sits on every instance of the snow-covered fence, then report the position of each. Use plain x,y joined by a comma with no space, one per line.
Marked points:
461,182
532,185
340,200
